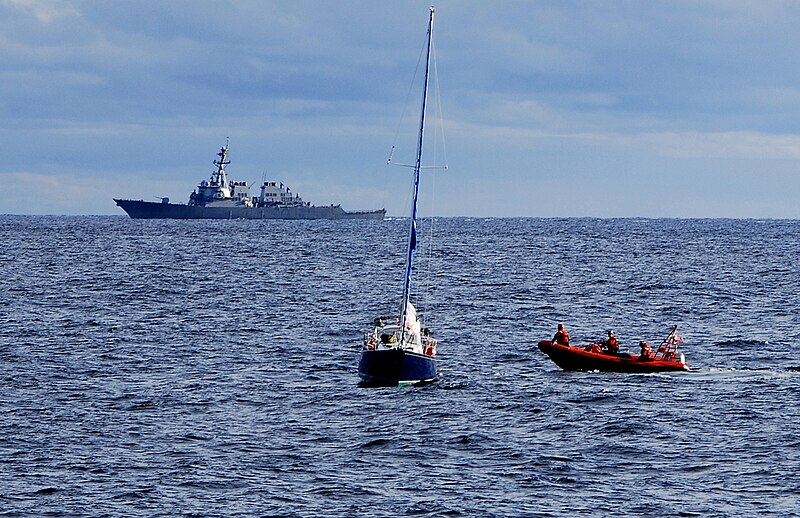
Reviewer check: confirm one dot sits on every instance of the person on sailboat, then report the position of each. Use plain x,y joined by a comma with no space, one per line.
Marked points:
562,336
611,344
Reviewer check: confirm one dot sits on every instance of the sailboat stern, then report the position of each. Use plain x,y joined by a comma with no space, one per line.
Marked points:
395,367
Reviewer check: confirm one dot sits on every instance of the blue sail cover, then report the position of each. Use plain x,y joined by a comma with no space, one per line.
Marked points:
413,240
412,246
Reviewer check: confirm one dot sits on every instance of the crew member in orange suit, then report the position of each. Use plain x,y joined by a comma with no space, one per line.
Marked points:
611,344
647,352
562,336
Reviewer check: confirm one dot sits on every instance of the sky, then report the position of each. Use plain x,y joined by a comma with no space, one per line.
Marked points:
681,108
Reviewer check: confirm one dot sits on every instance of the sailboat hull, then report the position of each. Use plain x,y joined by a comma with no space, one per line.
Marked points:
393,367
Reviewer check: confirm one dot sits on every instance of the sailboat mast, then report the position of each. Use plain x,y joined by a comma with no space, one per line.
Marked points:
412,232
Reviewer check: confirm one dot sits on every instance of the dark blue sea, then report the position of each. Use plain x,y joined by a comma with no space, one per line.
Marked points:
209,368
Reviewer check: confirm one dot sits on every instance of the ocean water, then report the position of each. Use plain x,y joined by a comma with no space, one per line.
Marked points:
209,368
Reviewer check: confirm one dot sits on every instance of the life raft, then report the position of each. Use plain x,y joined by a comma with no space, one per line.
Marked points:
594,359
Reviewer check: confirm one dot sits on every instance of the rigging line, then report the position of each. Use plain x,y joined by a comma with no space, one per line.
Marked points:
438,96
405,104
434,177
426,296
422,168
406,205
431,227
406,200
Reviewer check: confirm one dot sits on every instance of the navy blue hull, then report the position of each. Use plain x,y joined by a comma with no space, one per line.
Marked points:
392,367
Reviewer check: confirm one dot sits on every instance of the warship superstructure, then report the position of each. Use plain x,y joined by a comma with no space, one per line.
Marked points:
221,198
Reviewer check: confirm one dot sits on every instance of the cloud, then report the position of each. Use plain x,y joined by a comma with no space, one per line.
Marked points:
77,193
44,11
729,145
149,89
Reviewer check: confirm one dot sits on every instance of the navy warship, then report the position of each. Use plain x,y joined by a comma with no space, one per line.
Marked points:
220,198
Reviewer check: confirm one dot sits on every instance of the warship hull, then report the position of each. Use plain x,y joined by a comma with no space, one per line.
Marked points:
138,209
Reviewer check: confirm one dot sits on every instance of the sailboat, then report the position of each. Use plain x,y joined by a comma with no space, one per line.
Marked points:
399,351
